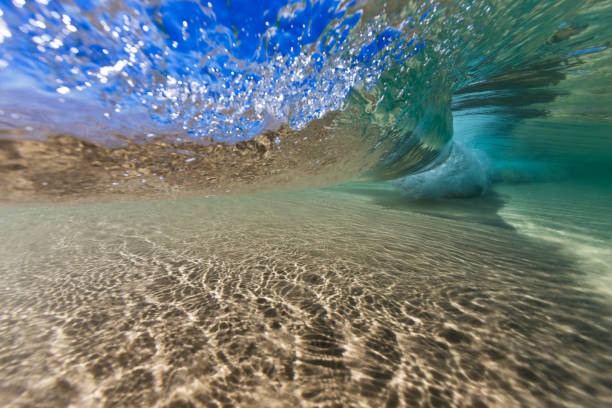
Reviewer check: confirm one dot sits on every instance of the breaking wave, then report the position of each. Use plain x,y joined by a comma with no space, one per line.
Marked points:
292,92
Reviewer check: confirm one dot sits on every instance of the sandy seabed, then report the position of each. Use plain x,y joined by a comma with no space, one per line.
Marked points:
345,297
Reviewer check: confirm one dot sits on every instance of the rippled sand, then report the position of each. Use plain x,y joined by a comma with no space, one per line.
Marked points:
343,297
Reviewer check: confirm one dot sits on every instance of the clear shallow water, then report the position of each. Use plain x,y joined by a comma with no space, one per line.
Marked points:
578,222
349,296
382,294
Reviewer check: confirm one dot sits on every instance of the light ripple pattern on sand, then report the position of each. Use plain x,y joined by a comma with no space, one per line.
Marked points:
344,297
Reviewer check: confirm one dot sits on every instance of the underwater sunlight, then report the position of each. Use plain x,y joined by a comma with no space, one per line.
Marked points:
305,203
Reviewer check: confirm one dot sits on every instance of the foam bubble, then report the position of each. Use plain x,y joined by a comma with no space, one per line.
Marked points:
465,173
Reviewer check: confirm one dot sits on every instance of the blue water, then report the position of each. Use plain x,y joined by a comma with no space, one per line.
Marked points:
445,100
395,73
442,99
305,203
210,68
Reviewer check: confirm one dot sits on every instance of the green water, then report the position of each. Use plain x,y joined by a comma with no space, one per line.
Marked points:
359,295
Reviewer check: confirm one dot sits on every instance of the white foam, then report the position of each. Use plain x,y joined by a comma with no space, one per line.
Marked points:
465,173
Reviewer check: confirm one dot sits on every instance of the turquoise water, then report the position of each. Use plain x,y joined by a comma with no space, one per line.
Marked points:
343,90
305,203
